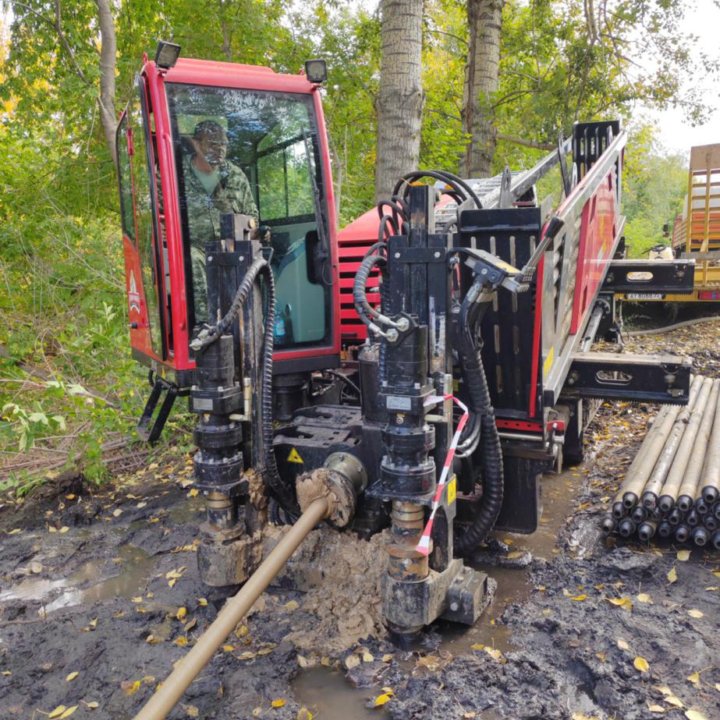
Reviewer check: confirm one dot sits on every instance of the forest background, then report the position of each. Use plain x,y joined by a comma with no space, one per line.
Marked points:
69,390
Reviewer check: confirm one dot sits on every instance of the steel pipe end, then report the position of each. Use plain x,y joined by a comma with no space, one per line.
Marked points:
716,540
682,533
649,500
685,502
710,494
630,500
666,503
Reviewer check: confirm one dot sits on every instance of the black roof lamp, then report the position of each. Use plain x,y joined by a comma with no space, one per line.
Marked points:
167,54
316,71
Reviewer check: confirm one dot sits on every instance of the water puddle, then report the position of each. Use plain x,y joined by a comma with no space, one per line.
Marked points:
328,695
87,585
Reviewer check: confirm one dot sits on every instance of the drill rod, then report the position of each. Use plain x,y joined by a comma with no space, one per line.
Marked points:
166,697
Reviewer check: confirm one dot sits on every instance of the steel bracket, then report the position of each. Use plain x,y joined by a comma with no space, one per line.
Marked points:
650,276
623,376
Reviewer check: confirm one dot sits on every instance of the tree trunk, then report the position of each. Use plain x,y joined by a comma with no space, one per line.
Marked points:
400,100
108,51
481,82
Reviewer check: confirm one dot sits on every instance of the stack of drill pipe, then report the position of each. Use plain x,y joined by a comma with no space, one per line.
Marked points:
672,487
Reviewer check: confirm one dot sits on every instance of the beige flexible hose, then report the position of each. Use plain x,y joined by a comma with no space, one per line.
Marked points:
168,694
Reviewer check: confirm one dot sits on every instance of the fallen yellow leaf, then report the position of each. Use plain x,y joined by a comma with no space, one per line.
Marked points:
181,641
579,598
672,700
495,654
641,664
695,715
367,657
202,602
644,598
693,613
683,555
656,708
72,676
181,613
352,661
623,645
304,714
228,648
69,712
381,699
57,712
93,704
694,678
624,602
672,575
192,711
291,605
277,703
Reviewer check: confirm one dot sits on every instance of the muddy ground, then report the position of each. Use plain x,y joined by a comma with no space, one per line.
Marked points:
99,596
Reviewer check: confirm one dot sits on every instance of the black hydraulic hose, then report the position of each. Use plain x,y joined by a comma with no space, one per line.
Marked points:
208,336
282,492
456,183
492,464
470,439
362,306
386,220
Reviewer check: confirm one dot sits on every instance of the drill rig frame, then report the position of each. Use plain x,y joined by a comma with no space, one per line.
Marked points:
470,377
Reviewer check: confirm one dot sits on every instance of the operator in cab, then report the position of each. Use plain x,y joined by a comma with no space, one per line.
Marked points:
214,186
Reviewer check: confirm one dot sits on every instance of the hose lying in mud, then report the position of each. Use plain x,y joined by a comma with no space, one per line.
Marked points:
675,493
669,328
170,692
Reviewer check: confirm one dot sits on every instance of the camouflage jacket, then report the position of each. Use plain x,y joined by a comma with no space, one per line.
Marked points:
231,195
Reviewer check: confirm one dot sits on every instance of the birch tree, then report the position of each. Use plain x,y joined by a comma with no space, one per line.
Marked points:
481,83
400,97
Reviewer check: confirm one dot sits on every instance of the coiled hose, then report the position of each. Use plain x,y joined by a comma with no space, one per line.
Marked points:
209,335
492,464
364,309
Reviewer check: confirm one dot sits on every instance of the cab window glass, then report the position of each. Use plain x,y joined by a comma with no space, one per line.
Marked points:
255,153
126,192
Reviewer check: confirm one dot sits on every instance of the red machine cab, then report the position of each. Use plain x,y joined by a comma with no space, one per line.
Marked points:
275,153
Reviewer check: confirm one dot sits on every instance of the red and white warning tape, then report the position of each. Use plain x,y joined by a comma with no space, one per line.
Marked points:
423,547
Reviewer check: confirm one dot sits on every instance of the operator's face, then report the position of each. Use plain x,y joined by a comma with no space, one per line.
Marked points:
214,148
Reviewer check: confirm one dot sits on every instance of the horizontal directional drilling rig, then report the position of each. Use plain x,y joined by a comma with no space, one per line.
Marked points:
418,371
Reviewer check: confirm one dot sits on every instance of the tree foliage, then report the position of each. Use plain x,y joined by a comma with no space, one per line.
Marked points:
60,251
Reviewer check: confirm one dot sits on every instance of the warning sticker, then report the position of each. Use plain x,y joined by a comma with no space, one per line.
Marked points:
294,457
452,490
